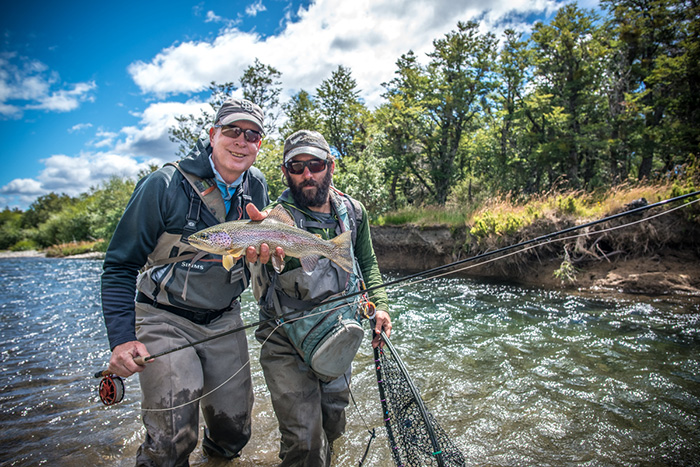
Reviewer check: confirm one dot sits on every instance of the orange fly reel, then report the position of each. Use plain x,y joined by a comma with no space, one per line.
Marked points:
111,389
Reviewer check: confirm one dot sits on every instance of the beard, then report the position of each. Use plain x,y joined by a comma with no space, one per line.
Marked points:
310,198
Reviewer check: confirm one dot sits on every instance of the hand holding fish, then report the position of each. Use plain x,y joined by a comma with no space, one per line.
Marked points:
252,255
233,239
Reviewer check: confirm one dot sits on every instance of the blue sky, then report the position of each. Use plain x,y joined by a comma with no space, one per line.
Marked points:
88,89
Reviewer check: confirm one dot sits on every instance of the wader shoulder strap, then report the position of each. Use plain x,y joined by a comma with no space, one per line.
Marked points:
207,191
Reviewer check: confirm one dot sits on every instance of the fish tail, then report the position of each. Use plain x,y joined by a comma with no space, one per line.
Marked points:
342,251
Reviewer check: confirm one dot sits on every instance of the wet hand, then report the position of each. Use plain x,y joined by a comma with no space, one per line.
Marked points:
122,363
383,323
252,254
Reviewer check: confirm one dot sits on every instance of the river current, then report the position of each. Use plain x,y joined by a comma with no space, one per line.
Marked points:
515,376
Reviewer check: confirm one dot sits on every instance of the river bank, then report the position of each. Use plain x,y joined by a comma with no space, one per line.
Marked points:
658,257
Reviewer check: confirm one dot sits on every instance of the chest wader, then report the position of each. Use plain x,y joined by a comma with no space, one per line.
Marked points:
180,279
326,337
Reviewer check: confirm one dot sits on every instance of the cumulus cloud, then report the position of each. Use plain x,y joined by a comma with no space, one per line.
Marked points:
366,36
71,175
125,154
150,137
29,84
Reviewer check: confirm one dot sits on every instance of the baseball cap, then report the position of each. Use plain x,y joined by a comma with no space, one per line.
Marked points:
234,109
306,142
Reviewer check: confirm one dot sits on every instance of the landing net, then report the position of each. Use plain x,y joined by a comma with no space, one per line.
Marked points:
415,437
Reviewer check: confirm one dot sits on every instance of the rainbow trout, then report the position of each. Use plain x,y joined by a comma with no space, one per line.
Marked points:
231,239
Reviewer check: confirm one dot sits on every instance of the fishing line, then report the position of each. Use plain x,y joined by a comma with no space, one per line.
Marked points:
572,237
538,240
111,389
527,242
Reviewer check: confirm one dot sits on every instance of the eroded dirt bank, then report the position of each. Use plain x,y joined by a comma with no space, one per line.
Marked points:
656,256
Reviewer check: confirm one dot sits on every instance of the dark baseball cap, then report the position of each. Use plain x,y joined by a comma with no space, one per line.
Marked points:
306,142
234,110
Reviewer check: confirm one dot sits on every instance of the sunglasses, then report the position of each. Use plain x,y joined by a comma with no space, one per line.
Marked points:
234,132
314,165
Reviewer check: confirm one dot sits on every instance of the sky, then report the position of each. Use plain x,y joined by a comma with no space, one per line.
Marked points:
88,90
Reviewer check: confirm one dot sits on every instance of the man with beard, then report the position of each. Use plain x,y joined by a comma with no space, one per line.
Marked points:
310,391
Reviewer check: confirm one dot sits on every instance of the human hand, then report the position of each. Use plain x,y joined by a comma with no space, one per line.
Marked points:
123,361
251,253
382,323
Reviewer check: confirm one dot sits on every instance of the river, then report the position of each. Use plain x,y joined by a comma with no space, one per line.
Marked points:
515,376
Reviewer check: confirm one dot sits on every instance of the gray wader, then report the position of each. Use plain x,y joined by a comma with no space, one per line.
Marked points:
185,375
310,412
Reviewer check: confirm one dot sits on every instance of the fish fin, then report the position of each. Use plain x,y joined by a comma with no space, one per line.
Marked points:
227,261
280,214
342,251
308,263
236,252
277,264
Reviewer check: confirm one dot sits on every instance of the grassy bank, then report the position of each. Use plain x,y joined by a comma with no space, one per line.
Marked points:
506,214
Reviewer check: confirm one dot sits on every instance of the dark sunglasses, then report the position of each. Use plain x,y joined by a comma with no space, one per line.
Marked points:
234,132
314,165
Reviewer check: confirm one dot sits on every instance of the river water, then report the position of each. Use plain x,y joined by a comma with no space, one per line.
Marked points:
515,376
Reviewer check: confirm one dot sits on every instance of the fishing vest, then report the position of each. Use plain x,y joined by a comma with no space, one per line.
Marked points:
177,277
326,337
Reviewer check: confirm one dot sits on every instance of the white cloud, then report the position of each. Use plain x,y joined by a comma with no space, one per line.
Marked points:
79,127
133,149
366,36
22,186
71,175
28,84
255,8
213,17
150,138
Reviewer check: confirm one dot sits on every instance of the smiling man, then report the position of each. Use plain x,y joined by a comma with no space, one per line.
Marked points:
180,299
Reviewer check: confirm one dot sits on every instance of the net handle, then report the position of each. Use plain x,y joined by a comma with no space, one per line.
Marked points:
416,396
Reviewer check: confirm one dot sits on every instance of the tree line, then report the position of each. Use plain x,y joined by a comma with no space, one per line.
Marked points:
585,102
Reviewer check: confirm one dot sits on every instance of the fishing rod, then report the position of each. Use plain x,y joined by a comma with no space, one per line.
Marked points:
114,387
523,243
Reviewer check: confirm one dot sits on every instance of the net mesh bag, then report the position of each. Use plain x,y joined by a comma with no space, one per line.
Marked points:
415,437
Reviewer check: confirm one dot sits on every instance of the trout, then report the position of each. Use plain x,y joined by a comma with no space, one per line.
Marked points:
231,239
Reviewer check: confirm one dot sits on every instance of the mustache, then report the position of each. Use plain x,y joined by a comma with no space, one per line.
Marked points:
308,183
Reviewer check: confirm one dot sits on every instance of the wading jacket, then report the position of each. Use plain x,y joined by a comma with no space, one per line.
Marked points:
328,278
149,251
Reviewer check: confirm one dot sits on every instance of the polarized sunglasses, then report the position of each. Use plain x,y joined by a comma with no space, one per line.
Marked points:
314,165
234,132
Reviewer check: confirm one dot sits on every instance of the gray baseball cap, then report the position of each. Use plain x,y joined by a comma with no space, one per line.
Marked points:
234,110
306,142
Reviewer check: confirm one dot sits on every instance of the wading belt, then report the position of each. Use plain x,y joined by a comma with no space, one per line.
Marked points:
197,317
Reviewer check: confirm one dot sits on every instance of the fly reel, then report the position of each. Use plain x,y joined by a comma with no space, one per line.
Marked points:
111,389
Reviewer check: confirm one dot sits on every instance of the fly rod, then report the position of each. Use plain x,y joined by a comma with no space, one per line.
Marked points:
546,237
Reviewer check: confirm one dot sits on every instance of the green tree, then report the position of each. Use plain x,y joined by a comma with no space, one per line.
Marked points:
452,91
10,227
261,85
567,58
301,113
509,162
648,31
106,204
44,206
342,113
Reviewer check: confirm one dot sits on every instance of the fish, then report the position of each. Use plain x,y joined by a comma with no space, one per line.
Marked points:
231,239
